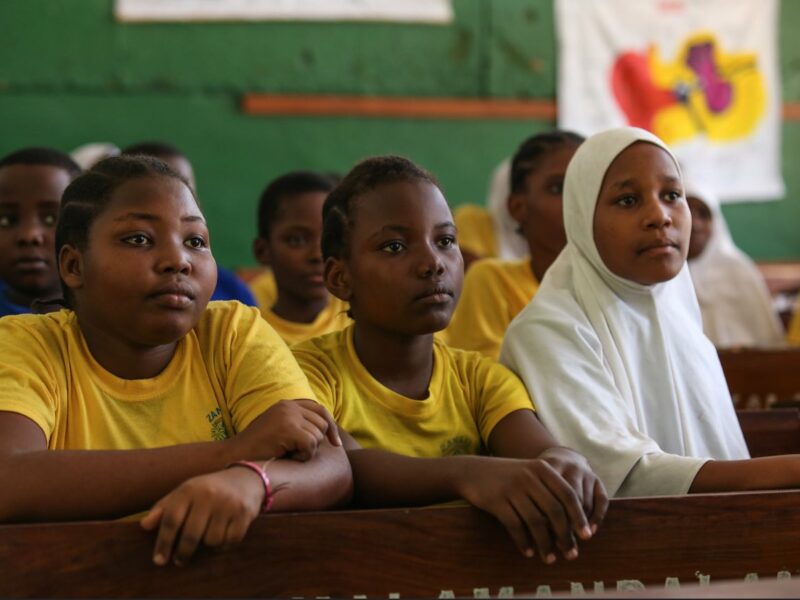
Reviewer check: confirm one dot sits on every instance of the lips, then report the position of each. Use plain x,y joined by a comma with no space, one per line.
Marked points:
436,294
31,262
660,245
174,295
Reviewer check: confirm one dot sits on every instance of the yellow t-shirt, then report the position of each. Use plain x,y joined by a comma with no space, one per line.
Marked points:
264,289
468,395
793,332
225,372
475,230
495,291
332,318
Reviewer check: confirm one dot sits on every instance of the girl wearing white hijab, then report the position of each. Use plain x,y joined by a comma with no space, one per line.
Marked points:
612,349
734,300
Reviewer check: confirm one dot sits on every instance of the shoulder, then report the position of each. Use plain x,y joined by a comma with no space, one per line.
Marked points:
468,364
326,351
226,322
552,327
45,339
52,325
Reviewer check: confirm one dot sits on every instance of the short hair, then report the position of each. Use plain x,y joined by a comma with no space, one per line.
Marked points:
157,149
364,177
283,188
530,152
49,157
89,193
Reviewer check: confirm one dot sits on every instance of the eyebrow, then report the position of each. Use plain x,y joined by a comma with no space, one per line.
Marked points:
630,183
403,229
623,184
134,216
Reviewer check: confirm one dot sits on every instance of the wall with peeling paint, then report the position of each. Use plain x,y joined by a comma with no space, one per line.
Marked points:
70,74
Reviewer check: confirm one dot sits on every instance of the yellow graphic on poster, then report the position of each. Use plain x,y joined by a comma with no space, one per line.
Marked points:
703,91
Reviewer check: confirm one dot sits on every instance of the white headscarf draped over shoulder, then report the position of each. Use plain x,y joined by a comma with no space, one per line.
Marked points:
620,371
734,300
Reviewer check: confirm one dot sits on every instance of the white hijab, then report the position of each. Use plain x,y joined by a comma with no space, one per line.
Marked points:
619,371
734,300
511,245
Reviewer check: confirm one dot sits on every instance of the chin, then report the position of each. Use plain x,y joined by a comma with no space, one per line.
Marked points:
167,333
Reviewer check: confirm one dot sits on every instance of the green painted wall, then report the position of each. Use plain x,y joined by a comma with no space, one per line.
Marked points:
70,74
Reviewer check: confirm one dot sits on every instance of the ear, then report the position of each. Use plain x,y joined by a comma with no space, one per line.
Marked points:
261,251
70,266
337,279
517,207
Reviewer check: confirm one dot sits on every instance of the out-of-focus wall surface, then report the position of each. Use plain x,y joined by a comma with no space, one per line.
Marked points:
71,74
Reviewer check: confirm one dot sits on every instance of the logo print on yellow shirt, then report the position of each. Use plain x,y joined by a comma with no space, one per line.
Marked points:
218,430
460,444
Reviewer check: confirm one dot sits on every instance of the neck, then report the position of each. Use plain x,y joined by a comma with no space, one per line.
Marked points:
125,360
541,259
402,363
18,298
298,310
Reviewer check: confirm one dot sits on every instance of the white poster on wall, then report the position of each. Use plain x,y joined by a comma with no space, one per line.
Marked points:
700,74
409,11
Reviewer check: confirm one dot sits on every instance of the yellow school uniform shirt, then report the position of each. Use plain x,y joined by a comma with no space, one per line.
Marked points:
468,395
332,318
793,332
495,291
475,230
225,372
264,289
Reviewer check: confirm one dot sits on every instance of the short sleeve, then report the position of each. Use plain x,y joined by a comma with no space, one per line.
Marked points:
320,371
31,371
261,369
499,393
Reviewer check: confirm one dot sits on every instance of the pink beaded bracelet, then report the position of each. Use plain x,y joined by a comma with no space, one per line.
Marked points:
263,474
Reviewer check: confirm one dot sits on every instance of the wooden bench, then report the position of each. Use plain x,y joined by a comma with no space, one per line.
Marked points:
771,432
428,552
766,375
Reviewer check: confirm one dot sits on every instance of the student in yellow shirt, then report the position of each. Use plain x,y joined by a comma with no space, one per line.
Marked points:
289,231
496,290
422,411
141,394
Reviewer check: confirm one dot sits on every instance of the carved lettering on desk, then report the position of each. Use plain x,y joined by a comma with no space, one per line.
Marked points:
576,588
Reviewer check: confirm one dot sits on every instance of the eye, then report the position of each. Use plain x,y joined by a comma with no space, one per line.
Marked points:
393,247
197,242
137,239
295,240
7,221
448,241
673,196
626,201
556,189
49,219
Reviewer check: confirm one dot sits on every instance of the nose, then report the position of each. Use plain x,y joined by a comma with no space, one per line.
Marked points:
315,252
430,263
658,214
174,257
31,232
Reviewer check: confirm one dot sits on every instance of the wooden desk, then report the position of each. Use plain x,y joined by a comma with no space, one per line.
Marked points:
761,373
653,542
772,431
